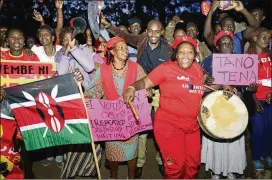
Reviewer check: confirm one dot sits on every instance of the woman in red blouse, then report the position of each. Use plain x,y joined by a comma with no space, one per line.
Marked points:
261,122
175,127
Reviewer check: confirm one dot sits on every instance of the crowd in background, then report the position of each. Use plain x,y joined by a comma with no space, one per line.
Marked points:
125,59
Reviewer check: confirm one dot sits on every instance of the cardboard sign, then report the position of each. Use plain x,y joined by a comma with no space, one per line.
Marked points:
113,120
15,72
235,69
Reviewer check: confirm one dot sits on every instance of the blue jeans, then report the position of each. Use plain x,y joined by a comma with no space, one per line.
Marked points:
261,137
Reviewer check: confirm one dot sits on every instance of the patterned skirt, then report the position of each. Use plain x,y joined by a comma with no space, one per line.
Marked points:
79,161
122,150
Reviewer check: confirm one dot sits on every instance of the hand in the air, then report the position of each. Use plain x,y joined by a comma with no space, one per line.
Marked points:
37,16
104,21
215,6
239,6
59,4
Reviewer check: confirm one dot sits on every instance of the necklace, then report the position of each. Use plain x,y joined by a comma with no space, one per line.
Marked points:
120,68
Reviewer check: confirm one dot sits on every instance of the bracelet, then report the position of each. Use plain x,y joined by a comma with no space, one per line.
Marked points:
60,16
132,87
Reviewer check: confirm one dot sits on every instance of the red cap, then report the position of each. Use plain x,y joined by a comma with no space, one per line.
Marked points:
182,39
111,43
221,34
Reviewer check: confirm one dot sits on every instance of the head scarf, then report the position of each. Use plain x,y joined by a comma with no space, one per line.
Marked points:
111,43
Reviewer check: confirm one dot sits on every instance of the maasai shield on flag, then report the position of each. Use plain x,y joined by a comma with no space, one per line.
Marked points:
50,112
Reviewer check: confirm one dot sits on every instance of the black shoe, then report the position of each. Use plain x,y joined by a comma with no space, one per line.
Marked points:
138,173
161,169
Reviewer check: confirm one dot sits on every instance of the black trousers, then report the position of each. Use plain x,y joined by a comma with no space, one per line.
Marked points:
26,162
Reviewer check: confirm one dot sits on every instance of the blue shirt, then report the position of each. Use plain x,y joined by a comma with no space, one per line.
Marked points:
207,65
238,43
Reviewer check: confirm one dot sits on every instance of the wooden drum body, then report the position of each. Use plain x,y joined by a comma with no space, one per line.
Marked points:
223,115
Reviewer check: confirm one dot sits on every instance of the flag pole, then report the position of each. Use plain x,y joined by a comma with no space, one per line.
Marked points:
93,147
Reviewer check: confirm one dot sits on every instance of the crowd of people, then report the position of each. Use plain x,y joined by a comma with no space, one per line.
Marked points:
127,59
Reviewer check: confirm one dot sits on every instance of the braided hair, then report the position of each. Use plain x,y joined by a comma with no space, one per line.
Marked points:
256,33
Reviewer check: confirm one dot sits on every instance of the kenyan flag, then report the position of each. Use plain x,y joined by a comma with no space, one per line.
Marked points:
50,112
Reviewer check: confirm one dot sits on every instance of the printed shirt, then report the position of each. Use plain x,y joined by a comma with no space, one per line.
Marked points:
264,72
23,57
5,55
181,93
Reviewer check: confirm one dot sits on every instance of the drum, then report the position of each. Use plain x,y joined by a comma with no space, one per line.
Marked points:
223,115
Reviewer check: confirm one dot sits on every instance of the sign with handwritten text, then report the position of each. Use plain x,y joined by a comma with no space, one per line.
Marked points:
113,120
235,69
14,72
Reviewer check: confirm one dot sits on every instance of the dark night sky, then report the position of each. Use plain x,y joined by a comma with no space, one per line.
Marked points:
18,13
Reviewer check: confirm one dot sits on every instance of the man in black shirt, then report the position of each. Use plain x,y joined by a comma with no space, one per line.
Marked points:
157,50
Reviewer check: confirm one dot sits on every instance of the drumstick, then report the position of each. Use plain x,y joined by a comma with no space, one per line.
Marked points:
133,110
210,88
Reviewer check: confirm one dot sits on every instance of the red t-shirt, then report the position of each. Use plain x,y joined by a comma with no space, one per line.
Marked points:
181,92
5,55
264,72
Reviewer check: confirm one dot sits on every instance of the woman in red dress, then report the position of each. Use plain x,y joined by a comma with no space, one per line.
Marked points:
181,83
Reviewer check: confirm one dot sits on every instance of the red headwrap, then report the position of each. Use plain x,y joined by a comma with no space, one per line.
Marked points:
111,43
221,34
182,39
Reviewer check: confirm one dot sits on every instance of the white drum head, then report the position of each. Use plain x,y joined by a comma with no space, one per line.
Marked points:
222,116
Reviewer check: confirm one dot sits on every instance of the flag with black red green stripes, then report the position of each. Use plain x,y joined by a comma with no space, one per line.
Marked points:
50,112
